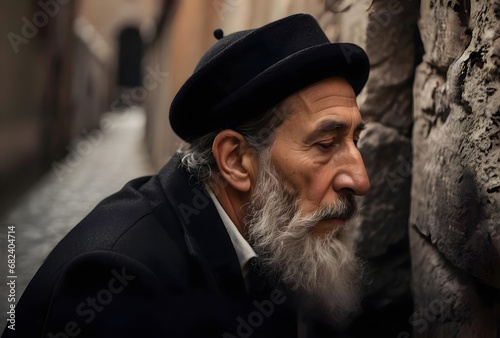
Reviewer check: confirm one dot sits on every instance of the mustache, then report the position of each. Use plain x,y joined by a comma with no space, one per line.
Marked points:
344,208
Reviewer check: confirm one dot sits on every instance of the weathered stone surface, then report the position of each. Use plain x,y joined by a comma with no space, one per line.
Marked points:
390,45
444,30
456,185
383,220
348,21
448,303
381,227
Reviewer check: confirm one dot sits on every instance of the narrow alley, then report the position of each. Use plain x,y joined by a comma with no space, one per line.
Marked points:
96,167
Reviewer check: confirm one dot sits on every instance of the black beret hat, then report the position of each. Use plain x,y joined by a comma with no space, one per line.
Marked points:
245,73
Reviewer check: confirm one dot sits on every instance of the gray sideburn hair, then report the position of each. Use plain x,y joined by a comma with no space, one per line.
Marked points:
197,157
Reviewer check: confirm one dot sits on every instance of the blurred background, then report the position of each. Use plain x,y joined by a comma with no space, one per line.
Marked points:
85,88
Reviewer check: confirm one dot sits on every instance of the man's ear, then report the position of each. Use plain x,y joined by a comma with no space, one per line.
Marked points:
235,159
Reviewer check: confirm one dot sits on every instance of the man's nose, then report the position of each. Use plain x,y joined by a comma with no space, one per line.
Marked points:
352,175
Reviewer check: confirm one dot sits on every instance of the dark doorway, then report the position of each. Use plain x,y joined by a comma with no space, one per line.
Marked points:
129,58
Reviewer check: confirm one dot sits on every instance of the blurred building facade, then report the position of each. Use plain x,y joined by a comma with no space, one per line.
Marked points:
36,61
60,63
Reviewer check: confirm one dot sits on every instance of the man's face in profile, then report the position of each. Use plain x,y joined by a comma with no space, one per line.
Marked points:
305,193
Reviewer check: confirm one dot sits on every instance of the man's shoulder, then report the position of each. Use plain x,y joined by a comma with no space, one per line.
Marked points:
137,218
134,232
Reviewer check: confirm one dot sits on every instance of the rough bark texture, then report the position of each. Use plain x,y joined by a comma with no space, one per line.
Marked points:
455,199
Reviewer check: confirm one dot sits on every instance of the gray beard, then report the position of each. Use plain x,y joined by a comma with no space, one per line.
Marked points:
322,270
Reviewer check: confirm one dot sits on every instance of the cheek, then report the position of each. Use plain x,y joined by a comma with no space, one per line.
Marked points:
316,188
312,180
312,184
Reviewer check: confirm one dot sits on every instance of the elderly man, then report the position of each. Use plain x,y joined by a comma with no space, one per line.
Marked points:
242,233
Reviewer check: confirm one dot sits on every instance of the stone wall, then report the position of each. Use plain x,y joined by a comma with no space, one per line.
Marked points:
455,198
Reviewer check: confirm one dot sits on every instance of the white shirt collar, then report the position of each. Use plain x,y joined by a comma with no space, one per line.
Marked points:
243,249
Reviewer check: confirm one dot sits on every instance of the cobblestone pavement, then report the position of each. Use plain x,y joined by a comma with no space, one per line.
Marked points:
100,163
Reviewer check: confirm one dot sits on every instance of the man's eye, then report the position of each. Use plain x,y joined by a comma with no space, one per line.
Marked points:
326,146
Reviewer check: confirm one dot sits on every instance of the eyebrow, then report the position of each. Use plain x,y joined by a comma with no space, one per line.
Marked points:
327,127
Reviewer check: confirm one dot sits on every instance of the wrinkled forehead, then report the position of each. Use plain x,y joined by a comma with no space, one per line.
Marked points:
329,93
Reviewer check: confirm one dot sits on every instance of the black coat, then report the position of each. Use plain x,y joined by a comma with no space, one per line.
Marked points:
152,260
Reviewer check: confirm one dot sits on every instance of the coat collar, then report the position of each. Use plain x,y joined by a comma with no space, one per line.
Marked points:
205,235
